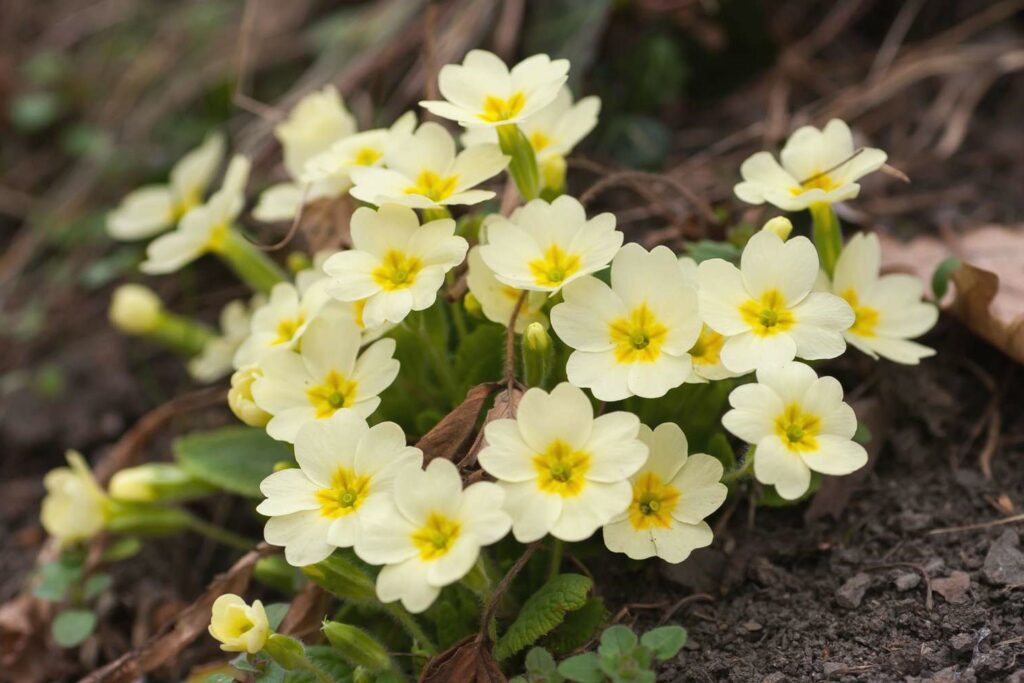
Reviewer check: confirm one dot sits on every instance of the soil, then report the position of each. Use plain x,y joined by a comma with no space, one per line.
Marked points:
844,600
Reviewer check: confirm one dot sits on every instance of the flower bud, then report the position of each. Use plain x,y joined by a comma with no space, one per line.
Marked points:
135,309
536,338
538,354
239,627
780,225
552,173
357,646
75,507
288,652
153,482
472,306
240,398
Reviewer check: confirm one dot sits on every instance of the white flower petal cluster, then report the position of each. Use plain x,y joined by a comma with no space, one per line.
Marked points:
564,471
345,466
216,360
281,321
396,265
766,309
818,167
798,423
484,92
888,309
423,171
328,373
497,300
152,209
672,494
544,246
316,122
632,338
428,534
204,228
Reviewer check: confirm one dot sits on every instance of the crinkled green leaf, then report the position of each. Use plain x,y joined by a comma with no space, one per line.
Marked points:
664,641
617,640
584,668
235,459
328,660
578,628
543,612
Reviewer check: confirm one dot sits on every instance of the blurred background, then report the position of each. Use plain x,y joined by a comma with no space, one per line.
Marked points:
100,96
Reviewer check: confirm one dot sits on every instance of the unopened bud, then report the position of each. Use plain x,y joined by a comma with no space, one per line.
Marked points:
780,225
536,338
538,354
240,398
135,309
472,305
552,173
357,646
153,482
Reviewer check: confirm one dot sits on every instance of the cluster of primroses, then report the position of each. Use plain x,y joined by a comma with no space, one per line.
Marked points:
310,355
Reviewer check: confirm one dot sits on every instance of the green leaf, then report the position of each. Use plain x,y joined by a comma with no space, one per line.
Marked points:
578,628
96,584
33,112
72,626
719,447
583,668
480,355
328,660
540,661
235,459
617,640
122,549
863,434
220,678
275,613
664,641
940,279
708,249
543,611
55,579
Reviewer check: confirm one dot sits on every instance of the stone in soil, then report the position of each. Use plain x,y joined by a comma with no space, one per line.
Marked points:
851,593
954,587
1004,563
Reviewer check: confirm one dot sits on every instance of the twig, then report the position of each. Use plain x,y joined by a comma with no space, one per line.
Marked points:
283,242
502,587
977,527
928,601
685,601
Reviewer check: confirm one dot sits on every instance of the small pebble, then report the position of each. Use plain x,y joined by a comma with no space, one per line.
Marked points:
907,581
851,593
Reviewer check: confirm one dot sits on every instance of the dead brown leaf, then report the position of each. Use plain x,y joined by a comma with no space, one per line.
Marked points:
449,436
306,612
467,661
192,622
976,290
505,405
24,656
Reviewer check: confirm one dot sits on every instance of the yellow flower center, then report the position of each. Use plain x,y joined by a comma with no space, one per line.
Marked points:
554,267
185,203
287,327
435,538
345,494
538,140
797,429
817,181
397,270
653,502
218,238
334,393
867,317
561,470
433,186
638,338
769,316
708,349
367,156
497,109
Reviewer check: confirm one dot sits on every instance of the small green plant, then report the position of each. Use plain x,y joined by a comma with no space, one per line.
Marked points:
620,658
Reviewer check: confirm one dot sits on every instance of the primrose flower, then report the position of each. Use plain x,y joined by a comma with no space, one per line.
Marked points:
542,247
424,172
152,209
672,494
497,301
633,338
318,120
818,167
888,308
553,132
361,149
326,375
482,91
429,532
706,354
281,321
204,228
75,507
238,626
564,471
798,422
396,265
765,308
216,360
343,465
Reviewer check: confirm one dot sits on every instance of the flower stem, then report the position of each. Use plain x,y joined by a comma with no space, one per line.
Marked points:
555,560
409,623
180,334
251,265
743,470
214,532
828,235
523,166
436,214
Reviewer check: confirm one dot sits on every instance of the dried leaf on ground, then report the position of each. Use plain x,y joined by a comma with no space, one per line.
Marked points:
24,655
452,433
187,627
468,661
306,612
505,405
